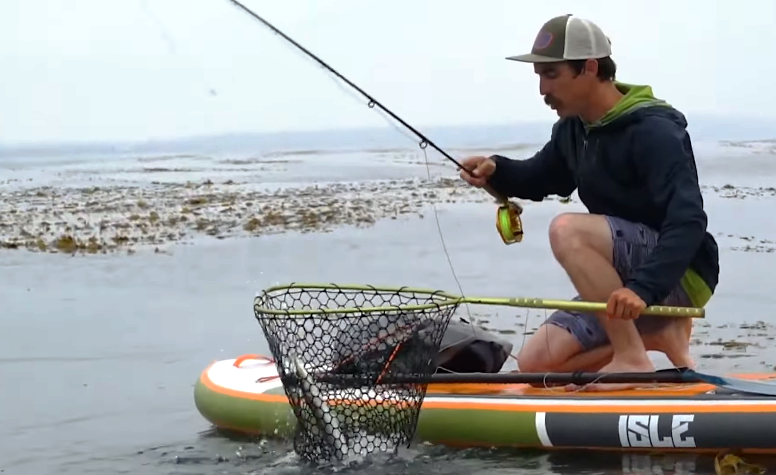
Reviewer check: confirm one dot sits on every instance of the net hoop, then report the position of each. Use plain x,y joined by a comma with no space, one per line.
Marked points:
441,299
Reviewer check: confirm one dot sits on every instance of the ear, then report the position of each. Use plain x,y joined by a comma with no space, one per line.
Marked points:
591,67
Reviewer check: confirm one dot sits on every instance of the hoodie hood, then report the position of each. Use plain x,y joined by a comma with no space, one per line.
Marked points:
636,97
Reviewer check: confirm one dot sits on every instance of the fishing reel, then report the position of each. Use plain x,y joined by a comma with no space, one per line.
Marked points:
508,222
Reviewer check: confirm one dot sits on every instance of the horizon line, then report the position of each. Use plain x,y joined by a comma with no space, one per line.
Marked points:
265,132
319,131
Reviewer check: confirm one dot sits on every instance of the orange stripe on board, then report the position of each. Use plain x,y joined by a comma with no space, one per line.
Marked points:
601,409
687,390
205,379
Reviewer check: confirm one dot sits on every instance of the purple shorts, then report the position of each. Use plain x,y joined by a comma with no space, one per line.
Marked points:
632,244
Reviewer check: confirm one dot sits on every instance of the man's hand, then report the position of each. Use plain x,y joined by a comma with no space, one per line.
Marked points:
482,168
625,304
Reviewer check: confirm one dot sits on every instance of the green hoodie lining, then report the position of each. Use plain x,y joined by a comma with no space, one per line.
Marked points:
636,97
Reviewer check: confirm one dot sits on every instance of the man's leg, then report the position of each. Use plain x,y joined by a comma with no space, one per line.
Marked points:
584,246
669,335
566,342
573,341
633,243
562,345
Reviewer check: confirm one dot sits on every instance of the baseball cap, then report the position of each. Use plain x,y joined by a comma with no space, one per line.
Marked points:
567,37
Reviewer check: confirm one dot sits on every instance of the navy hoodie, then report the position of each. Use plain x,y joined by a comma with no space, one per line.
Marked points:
637,163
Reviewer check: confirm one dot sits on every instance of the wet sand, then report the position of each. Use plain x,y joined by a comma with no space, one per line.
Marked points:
99,220
122,281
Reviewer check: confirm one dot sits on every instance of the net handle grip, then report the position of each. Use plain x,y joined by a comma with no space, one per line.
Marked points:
582,306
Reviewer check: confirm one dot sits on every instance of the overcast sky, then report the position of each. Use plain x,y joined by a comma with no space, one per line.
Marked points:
138,69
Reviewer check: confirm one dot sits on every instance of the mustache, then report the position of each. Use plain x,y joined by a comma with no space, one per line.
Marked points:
550,100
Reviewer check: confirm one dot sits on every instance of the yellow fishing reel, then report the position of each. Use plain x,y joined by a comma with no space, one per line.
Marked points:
508,222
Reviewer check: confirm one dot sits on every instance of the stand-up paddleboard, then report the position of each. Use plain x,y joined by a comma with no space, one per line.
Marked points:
392,365
245,395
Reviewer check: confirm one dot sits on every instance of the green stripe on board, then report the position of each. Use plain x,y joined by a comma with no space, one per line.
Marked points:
478,427
273,418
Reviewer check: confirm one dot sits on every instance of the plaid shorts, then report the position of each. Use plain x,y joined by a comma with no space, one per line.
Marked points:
632,244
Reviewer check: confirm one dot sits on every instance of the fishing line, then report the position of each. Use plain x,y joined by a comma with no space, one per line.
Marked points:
508,221
372,104
171,45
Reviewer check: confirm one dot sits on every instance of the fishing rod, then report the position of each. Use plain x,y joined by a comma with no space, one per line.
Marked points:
508,222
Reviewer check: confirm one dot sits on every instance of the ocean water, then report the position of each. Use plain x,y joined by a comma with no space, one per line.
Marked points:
100,351
735,148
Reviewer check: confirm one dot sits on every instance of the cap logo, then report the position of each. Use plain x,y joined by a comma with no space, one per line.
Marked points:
543,40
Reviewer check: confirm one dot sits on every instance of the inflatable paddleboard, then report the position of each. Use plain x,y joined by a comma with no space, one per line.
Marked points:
246,396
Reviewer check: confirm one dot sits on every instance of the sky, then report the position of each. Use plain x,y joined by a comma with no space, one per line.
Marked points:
97,70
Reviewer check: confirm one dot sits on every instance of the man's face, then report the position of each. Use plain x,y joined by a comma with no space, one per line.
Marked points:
564,91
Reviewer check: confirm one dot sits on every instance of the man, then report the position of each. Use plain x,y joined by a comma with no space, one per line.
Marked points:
644,240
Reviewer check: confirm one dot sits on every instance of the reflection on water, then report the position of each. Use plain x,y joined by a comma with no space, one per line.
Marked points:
233,454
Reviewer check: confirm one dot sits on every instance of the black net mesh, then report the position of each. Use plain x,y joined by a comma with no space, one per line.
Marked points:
335,365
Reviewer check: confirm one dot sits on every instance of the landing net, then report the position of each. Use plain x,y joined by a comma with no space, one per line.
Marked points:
356,336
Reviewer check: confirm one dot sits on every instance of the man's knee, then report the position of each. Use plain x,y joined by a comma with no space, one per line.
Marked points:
564,234
572,232
534,360
548,348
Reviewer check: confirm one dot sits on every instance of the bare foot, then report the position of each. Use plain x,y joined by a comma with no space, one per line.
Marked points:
618,366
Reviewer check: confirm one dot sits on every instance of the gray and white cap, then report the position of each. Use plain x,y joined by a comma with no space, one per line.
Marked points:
567,38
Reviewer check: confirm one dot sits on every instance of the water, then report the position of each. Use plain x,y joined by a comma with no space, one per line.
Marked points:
100,352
